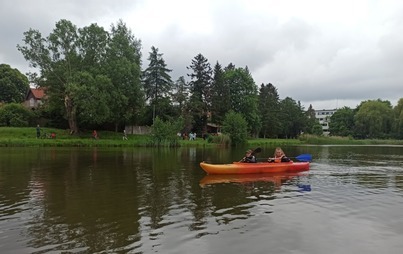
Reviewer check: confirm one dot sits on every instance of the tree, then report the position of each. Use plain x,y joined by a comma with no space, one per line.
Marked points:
236,127
220,96
15,115
13,84
269,111
123,67
70,60
398,121
292,118
312,124
156,79
342,122
58,60
243,96
373,119
200,91
180,98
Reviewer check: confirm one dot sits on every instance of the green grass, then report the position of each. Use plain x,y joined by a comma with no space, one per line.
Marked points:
331,140
13,136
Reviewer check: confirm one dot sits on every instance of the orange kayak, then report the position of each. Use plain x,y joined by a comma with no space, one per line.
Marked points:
253,168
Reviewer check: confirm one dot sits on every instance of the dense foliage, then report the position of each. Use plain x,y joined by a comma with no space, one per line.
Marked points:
94,79
236,127
15,115
13,85
92,75
371,119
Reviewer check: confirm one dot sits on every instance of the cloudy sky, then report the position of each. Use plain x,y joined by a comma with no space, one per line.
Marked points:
330,53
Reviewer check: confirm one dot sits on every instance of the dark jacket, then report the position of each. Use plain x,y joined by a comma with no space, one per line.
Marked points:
250,159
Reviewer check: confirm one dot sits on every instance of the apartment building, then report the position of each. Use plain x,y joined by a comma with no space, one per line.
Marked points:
323,117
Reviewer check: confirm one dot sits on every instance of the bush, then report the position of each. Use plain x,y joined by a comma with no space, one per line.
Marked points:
221,139
165,133
236,127
15,115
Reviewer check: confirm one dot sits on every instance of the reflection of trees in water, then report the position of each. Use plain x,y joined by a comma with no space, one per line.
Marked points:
399,182
95,200
86,205
169,190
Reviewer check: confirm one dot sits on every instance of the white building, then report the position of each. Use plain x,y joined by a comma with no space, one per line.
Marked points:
323,117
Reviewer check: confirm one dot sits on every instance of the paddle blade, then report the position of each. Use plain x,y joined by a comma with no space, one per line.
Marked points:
304,157
257,150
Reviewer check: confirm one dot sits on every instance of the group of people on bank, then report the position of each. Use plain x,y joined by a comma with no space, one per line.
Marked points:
279,156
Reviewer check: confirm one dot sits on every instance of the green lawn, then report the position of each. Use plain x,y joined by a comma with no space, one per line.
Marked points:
13,136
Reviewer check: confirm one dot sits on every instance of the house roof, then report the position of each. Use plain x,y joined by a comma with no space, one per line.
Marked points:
38,92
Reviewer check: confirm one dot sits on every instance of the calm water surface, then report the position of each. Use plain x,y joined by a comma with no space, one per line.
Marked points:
139,200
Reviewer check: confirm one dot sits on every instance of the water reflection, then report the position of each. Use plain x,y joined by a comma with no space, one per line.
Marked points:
141,200
276,178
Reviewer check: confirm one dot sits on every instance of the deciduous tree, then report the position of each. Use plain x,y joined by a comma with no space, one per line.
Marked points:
13,84
342,122
373,119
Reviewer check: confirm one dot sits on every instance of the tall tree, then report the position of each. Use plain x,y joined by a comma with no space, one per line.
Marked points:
13,84
269,110
180,98
156,79
220,96
58,61
398,121
244,96
123,67
292,118
180,92
200,91
91,72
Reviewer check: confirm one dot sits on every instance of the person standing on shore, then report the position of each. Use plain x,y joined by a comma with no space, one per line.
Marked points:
38,131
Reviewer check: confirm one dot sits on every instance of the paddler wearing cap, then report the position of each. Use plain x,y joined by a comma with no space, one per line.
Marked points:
249,157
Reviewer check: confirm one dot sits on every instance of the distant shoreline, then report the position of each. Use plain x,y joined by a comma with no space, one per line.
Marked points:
26,137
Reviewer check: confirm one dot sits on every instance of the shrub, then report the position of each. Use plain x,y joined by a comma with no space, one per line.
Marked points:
15,115
164,133
221,139
236,127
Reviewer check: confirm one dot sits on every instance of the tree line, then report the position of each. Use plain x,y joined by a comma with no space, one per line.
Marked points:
94,79
371,119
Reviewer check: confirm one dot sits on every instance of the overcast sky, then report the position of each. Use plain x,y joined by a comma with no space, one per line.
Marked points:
322,52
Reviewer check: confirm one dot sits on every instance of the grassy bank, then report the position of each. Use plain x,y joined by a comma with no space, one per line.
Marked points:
321,140
27,137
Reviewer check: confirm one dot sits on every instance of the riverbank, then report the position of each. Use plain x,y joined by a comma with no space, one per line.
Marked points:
10,136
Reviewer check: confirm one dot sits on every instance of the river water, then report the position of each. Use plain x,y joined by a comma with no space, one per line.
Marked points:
147,200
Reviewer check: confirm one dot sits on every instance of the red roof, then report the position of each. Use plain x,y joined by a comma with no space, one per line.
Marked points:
38,92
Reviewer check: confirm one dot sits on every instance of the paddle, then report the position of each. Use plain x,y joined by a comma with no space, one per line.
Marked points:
257,150
304,157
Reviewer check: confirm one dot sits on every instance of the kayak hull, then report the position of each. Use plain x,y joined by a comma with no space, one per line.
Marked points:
253,168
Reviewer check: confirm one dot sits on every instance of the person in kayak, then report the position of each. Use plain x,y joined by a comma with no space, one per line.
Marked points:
279,156
249,157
